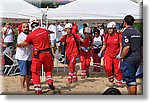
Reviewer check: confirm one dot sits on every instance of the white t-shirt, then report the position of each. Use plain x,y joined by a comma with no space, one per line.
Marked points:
59,31
23,53
97,43
53,29
8,37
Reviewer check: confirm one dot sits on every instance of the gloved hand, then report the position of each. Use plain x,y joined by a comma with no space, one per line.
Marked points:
100,54
57,40
118,56
83,48
88,48
83,36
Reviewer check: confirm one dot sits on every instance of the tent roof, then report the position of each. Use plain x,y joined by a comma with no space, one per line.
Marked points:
18,9
96,9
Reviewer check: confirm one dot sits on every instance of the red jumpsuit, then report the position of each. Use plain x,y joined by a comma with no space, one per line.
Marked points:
71,53
110,60
85,57
40,40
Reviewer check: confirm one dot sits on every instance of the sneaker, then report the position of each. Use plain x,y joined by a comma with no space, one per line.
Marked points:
111,79
118,84
38,89
74,77
74,80
70,80
70,77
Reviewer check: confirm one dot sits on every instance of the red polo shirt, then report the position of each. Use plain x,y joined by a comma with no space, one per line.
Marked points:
113,44
39,38
71,48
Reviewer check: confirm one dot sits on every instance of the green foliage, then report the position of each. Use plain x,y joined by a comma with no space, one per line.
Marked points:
138,26
50,4
15,35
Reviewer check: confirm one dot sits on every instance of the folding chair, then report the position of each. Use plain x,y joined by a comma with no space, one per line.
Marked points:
10,67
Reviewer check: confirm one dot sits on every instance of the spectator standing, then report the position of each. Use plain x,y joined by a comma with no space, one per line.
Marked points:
24,56
132,42
7,32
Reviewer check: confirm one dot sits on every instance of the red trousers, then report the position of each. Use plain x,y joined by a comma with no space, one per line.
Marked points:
72,75
44,59
96,60
110,63
85,61
72,62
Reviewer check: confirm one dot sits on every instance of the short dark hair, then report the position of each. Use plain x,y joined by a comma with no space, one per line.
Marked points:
112,91
97,30
85,25
34,24
129,20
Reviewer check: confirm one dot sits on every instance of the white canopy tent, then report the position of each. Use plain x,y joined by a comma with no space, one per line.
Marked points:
96,9
18,9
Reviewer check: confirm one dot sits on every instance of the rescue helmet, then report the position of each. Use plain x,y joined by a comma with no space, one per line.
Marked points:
87,30
68,25
33,22
111,25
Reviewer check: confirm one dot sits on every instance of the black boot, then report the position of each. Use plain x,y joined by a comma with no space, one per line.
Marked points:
51,86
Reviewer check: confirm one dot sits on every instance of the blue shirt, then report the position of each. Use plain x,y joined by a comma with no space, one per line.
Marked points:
133,38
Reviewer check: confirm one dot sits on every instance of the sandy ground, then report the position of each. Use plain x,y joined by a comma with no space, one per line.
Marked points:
96,84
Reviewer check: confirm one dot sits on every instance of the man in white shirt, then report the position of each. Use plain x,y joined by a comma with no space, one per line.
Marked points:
52,28
24,56
60,31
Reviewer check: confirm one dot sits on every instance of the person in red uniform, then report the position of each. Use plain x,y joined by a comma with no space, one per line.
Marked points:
112,46
74,28
85,52
72,49
39,37
97,45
